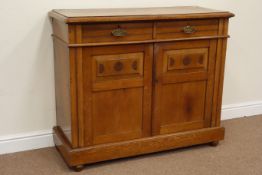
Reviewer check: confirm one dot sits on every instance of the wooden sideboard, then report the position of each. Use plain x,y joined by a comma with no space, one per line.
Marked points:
137,81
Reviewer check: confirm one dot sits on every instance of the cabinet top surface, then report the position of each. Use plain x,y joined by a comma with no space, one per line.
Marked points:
129,14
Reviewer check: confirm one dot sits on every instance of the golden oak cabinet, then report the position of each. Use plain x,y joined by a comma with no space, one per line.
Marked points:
137,81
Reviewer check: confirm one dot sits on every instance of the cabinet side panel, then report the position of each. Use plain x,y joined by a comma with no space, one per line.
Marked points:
219,73
60,30
62,88
222,70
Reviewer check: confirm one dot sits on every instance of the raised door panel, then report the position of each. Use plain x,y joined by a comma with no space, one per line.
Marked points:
184,86
117,114
118,65
118,105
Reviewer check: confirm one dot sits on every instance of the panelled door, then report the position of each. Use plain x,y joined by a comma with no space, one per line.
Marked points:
184,75
117,92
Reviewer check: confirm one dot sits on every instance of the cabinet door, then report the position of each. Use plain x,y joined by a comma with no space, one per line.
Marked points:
184,73
117,93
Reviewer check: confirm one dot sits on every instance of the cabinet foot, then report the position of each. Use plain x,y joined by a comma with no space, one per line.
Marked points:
78,168
214,143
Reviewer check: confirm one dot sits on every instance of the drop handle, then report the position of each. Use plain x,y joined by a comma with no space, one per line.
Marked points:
189,29
119,32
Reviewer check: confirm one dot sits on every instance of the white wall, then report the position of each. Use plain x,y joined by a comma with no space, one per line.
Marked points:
26,56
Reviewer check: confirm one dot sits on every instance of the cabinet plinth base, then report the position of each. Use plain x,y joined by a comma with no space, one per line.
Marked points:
97,153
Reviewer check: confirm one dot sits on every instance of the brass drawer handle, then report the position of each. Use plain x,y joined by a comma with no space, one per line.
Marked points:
119,32
189,29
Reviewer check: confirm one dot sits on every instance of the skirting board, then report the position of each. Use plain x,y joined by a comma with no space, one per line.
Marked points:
241,110
26,141
42,139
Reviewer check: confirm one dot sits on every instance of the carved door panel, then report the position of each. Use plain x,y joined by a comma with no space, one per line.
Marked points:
184,86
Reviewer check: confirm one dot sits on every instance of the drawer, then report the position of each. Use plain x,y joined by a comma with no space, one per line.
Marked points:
186,28
117,32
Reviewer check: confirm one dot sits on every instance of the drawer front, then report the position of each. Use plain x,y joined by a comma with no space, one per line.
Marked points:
116,32
186,28
121,65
